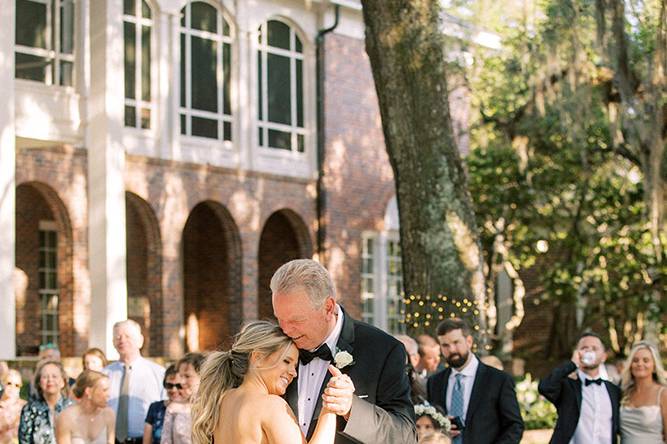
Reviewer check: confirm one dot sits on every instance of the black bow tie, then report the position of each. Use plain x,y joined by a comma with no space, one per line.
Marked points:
593,381
323,352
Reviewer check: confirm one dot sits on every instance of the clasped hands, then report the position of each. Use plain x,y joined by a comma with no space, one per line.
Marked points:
337,397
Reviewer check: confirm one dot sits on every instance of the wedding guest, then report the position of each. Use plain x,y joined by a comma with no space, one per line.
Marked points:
644,404
587,404
157,410
436,438
39,414
135,381
373,402
10,406
47,352
429,356
240,396
177,428
94,359
4,368
479,399
417,382
90,420
430,419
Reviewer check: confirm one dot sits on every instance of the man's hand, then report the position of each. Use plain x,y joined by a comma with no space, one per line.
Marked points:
576,358
337,397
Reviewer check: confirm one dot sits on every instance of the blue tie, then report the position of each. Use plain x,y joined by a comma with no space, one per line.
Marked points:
457,404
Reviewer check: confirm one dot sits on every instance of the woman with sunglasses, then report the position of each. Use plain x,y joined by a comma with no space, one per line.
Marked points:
10,407
156,411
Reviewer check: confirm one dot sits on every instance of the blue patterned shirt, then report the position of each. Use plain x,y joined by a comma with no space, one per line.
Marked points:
37,426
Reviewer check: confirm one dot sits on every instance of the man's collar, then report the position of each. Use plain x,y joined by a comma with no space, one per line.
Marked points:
602,374
470,369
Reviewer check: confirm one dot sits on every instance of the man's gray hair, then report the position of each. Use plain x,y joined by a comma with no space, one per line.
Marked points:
132,324
307,275
410,344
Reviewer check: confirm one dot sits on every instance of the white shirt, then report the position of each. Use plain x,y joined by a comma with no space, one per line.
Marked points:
595,416
467,381
311,377
145,387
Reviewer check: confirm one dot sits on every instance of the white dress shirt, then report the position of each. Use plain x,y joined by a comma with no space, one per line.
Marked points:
595,415
311,377
145,388
467,381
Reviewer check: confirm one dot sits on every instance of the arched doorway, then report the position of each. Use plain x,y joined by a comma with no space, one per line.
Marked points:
44,298
211,277
144,271
284,238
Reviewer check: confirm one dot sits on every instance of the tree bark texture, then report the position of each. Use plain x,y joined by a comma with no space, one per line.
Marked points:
439,239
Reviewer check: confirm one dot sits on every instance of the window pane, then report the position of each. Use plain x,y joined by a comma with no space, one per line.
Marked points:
31,67
145,118
299,46
279,89
130,59
227,126
185,59
130,116
260,136
145,10
66,74
146,63
226,64
278,34
225,28
203,17
301,143
280,139
184,128
128,7
30,24
204,80
299,93
204,127
67,27
259,86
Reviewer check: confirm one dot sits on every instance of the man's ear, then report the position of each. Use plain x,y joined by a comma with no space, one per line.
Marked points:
330,305
469,341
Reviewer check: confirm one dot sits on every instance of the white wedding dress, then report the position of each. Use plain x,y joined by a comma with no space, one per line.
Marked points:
642,425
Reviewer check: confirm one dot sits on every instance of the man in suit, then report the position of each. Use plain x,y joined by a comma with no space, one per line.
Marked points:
373,400
480,398
587,404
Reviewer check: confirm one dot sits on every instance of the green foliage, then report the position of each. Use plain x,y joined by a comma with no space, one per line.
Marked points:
537,412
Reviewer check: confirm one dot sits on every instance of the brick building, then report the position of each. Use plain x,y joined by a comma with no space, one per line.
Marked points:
164,158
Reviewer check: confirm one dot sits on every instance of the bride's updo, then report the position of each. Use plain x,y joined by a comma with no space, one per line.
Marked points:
224,370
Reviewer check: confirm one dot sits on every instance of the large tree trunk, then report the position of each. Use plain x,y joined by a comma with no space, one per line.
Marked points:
439,239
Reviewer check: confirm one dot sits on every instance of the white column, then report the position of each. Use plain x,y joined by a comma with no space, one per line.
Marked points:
106,164
7,184
168,68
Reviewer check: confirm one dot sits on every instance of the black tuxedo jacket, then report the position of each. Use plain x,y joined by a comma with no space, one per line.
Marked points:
493,414
565,393
382,412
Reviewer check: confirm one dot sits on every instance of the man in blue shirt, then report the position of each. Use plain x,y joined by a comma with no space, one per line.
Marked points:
135,383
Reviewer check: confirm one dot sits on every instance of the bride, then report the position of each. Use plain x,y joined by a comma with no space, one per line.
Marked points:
239,398
89,421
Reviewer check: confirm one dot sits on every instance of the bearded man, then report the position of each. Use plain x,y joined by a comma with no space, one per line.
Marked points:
480,400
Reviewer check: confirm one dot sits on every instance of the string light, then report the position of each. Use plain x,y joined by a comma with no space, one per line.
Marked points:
420,312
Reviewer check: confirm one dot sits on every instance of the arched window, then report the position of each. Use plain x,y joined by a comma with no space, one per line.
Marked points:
45,41
137,24
205,72
280,87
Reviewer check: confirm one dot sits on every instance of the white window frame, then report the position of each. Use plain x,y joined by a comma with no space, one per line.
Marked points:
220,39
47,295
263,124
53,43
367,315
138,103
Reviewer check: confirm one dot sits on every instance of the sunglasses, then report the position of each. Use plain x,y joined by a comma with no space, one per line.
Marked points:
169,386
13,384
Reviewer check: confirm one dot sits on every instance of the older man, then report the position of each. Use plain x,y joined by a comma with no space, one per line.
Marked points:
373,401
135,382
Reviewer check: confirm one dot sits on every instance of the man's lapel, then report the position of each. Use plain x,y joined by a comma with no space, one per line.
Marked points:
578,386
345,342
477,389
292,396
440,384
615,402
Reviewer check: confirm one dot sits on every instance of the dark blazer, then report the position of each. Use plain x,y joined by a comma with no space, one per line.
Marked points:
493,414
565,393
381,409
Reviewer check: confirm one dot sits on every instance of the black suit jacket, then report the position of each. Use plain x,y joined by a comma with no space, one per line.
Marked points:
565,393
493,414
382,412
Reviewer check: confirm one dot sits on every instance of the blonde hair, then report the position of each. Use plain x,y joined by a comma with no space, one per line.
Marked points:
11,371
628,381
304,274
87,379
225,370
94,352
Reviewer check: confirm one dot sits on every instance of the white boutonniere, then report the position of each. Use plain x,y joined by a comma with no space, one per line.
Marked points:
343,359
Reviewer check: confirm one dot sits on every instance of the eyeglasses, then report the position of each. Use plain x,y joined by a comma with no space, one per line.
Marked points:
169,386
